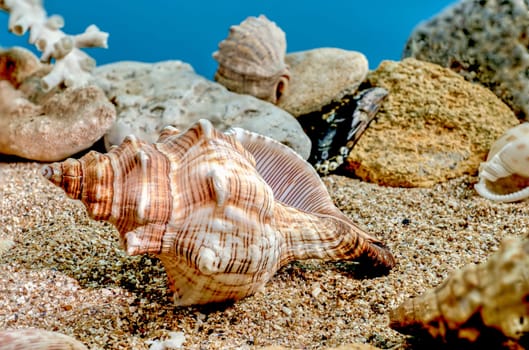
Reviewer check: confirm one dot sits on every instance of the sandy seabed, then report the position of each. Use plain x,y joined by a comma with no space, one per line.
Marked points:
67,273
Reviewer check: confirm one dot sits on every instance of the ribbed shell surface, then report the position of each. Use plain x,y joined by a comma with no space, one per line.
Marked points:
222,211
220,244
252,59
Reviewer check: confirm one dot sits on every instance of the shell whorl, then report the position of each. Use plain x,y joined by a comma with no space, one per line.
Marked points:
508,157
124,187
252,60
222,211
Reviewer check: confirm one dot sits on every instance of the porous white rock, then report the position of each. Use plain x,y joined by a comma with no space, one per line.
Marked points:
149,97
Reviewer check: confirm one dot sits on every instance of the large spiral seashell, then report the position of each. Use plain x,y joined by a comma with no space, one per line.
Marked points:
222,211
252,60
485,304
508,158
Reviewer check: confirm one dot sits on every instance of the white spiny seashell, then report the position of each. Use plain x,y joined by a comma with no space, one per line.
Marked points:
508,156
222,211
252,60
37,339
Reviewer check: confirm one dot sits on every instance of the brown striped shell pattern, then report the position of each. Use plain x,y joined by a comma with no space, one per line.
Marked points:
222,211
252,60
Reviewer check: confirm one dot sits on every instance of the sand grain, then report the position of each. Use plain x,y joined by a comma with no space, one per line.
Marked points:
68,273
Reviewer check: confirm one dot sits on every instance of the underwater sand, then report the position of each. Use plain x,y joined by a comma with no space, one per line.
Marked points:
67,273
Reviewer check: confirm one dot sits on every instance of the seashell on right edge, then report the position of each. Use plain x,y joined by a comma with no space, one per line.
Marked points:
37,339
504,177
252,60
222,211
478,304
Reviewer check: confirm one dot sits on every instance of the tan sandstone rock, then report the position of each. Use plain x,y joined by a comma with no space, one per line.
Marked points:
321,76
433,126
17,63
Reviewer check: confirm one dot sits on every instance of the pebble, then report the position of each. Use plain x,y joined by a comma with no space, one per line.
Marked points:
308,92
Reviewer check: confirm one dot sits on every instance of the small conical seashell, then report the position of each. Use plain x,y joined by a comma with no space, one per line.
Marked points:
222,211
37,339
507,167
476,304
252,60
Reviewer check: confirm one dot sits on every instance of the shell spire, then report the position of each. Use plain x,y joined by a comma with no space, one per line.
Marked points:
222,211
252,60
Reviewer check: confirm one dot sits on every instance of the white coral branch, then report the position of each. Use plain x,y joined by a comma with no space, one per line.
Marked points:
72,66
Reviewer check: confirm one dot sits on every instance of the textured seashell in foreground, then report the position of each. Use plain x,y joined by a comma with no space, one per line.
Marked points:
504,177
484,304
222,211
252,60
37,339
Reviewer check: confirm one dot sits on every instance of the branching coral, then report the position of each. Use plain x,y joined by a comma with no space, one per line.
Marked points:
72,66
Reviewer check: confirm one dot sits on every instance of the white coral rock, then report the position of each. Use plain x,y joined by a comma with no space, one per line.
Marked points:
72,66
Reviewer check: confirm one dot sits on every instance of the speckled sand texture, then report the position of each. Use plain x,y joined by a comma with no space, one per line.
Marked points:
66,272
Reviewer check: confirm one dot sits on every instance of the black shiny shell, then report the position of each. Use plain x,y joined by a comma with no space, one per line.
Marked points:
337,127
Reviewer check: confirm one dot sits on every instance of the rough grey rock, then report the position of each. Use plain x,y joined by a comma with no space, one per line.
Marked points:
149,97
484,41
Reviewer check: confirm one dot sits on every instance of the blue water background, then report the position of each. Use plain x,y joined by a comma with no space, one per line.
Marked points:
190,31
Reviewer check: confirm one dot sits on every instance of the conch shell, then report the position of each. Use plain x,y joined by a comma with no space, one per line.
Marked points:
485,304
222,211
504,177
252,60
